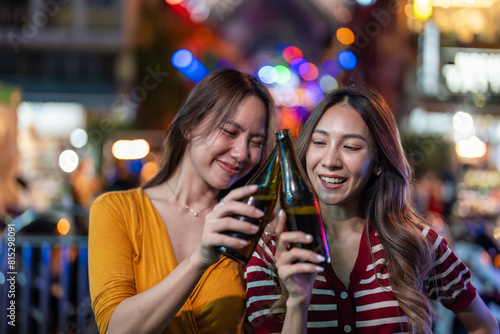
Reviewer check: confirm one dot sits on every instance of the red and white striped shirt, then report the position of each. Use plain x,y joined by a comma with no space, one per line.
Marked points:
368,305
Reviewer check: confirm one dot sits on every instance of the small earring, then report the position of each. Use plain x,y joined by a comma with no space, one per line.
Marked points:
378,171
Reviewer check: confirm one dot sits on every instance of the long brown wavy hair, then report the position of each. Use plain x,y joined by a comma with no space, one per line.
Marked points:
216,98
386,203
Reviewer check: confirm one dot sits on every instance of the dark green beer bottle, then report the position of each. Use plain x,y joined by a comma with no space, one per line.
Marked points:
298,199
268,180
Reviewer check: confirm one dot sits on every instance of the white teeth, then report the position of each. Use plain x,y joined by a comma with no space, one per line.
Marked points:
332,180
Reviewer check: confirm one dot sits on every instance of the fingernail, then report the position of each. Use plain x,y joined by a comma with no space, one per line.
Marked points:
280,213
255,228
320,258
254,187
260,212
320,269
309,237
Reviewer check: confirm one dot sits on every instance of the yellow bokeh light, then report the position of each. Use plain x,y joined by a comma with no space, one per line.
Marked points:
422,9
63,226
345,36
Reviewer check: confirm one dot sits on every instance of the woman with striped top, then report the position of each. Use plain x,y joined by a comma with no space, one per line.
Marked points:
388,264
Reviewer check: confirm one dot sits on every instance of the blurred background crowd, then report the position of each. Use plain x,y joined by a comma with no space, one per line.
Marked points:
88,87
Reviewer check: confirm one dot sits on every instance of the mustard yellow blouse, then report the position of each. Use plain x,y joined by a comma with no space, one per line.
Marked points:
130,251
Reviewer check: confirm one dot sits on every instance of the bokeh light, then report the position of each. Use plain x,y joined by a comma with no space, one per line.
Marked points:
292,52
199,11
268,74
422,9
332,67
189,65
471,148
63,226
173,2
283,74
347,60
345,36
68,161
78,138
312,74
182,58
462,122
299,65
328,83
366,2
130,149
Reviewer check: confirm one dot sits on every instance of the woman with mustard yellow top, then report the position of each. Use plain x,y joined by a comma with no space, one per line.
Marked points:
152,264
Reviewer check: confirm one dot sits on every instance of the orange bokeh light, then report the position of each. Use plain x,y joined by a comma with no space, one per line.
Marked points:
345,36
63,226
173,2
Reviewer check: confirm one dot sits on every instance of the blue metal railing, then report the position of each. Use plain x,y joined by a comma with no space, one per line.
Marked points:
45,285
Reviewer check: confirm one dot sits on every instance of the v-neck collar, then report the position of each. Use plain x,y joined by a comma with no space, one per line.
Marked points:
360,265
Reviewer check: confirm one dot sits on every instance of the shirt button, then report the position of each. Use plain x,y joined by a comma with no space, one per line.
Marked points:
343,295
347,328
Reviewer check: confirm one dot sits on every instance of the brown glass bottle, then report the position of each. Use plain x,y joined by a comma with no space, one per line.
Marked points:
298,199
268,179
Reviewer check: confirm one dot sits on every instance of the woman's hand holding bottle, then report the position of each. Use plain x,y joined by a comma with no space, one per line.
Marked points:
297,267
220,220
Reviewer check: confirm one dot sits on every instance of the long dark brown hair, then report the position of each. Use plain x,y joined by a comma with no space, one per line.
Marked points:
386,201
216,98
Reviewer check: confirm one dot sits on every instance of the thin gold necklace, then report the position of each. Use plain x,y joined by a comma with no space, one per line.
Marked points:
196,214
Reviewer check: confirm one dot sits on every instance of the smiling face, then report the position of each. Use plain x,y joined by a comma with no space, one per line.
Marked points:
230,152
340,157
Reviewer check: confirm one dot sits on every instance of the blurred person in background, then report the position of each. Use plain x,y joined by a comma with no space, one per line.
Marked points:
388,263
85,186
14,192
152,261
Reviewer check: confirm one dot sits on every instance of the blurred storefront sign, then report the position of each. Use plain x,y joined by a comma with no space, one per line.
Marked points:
51,119
455,71
471,70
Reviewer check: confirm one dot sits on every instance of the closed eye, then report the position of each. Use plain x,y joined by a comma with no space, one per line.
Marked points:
228,132
351,148
318,143
257,143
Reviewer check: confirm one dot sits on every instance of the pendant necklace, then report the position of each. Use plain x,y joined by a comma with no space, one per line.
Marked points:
196,214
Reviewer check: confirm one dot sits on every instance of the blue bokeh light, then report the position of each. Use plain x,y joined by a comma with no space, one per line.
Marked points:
189,65
347,60
182,58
